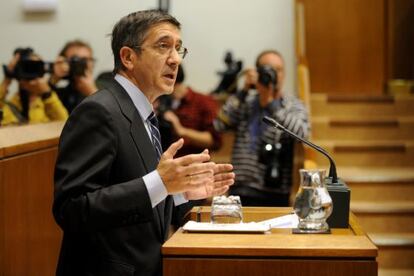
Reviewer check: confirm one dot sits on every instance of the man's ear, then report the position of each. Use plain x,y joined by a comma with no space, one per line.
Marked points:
128,56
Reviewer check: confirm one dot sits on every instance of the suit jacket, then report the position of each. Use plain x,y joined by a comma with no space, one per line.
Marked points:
101,201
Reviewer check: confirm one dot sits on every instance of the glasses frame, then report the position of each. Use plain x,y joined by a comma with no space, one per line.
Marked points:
182,51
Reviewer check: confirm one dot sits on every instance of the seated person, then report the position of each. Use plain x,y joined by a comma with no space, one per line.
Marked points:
35,102
75,64
262,156
190,115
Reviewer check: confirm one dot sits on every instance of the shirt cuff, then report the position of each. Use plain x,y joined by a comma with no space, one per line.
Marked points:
155,187
179,199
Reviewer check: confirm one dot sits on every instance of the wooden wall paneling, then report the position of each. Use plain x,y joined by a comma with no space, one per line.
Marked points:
345,45
32,238
400,39
2,222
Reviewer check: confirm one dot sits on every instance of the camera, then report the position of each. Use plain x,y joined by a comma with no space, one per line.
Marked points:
77,67
267,75
228,83
24,53
27,68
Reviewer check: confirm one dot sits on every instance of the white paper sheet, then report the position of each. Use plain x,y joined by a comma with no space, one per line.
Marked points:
287,221
251,227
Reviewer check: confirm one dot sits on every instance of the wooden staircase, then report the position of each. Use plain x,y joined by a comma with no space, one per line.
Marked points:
371,139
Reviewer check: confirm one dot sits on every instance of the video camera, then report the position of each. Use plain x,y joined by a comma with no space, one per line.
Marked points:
228,83
27,68
77,67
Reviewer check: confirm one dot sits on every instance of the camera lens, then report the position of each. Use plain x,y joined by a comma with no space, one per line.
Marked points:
267,75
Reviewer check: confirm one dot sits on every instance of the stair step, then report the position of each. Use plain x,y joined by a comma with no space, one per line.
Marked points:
396,258
396,250
379,183
362,98
360,106
367,153
390,207
365,128
395,272
377,174
384,217
392,239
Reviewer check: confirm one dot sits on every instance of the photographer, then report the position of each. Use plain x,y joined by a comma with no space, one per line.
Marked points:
74,64
262,156
35,102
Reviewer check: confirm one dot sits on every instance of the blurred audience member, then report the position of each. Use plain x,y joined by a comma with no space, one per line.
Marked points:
75,64
190,115
262,156
35,101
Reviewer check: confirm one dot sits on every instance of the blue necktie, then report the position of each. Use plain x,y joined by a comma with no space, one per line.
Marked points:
156,141
155,134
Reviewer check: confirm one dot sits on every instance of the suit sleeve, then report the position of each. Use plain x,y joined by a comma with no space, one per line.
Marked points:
86,199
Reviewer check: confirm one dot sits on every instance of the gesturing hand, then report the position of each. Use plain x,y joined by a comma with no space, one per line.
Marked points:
186,173
250,78
223,178
86,84
36,86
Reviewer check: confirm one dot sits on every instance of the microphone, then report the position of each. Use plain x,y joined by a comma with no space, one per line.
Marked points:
332,169
338,190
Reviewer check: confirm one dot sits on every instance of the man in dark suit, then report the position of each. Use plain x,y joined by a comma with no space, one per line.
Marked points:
114,188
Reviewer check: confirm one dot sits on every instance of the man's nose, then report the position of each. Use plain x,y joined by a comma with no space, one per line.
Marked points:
174,57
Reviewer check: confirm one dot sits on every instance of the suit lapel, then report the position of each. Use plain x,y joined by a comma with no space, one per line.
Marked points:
141,140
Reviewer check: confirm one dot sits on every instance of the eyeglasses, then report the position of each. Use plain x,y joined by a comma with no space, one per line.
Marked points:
166,49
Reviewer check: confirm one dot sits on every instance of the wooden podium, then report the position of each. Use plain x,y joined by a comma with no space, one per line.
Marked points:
29,237
343,252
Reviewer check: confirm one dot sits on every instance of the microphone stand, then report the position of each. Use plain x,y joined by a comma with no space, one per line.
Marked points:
338,190
332,168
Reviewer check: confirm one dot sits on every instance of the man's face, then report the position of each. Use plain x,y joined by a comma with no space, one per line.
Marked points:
157,61
277,64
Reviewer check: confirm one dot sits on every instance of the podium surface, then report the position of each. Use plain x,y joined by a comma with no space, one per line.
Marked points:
345,251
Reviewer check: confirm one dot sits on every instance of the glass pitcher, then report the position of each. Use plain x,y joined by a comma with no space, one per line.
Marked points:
313,204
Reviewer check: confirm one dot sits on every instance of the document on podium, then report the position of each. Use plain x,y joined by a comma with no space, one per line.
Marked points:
287,221
251,227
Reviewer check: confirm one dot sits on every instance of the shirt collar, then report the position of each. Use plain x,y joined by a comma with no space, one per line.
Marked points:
140,101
